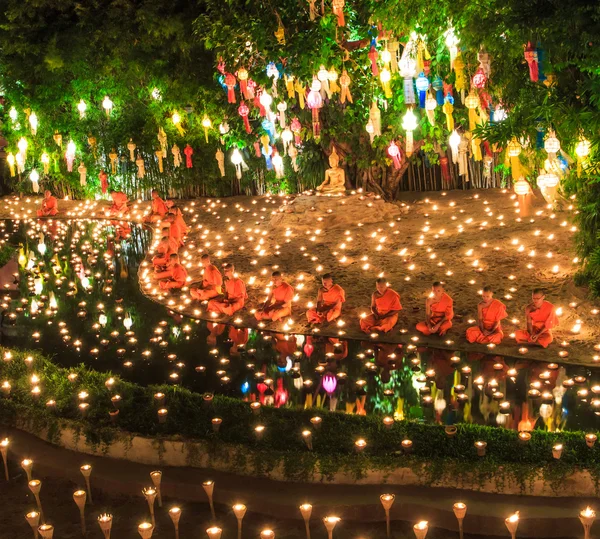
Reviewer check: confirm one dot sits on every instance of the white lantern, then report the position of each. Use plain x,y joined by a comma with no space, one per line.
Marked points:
521,187
81,107
107,105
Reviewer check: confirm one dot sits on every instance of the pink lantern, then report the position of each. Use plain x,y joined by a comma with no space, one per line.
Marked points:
329,383
296,127
394,152
243,111
315,102
479,79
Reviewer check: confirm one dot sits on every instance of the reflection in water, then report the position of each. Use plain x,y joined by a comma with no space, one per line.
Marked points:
80,301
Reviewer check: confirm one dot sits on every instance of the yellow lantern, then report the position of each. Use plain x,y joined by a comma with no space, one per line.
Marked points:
521,187
430,106
207,124
10,159
81,107
472,102
46,162
176,119
582,150
409,124
552,146
385,76
513,150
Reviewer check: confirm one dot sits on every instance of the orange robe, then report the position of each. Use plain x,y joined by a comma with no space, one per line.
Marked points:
331,306
211,284
544,317
389,301
439,310
164,250
235,296
177,277
49,207
280,306
490,315
119,205
159,210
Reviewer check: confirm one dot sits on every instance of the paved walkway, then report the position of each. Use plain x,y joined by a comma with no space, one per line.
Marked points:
540,517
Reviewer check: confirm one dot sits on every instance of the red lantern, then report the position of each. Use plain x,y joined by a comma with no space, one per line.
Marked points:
445,169
243,111
258,104
479,79
373,54
257,149
103,176
394,152
188,151
230,83
296,127
531,56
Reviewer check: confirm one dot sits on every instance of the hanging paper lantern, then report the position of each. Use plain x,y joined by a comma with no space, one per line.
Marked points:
286,136
499,114
57,139
70,155
176,119
243,78
103,177
289,86
409,124
251,86
293,153
452,44
479,79
113,156
176,156
236,159
345,84
296,127
582,150
552,146
273,72
82,174
280,34
13,114
460,82
223,129
188,151
243,111
448,108
230,82
207,124
34,177
386,56
323,76
338,11
521,187
333,85
45,159
472,102
22,145
369,128
430,105
282,107
454,142
445,166
81,107
131,147
107,105
422,84
277,161
265,101
159,158
438,85
315,102
10,159
141,169
513,151
385,76
33,123
373,57
394,152
548,180
531,56
408,68
20,163
220,157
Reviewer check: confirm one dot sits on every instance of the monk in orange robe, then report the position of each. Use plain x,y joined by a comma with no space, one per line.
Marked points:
164,249
439,311
49,205
279,301
541,318
490,312
178,226
174,277
329,302
385,306
235,294
159,208
119,206
211,281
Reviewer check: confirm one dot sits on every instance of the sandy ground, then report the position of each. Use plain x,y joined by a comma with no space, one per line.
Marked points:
468,239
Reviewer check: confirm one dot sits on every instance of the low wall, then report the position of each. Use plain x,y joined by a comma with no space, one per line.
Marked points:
182,453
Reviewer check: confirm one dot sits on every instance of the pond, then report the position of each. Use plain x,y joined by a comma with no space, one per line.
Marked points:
78,300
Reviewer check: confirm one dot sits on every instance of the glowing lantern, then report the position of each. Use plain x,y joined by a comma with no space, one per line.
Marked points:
385,76
552,146
329,383
521,187
45,159
472,102
454,142
409,124
236,159
500,114
479,79
333,77
107,105
103,320
207,124
243,111
531,56
513,151
70,155
323,76
10,159
448,108
394,152
296,128
548,180
265,101
582,150
345,81
287,137
128,322
315,102
282,107
277,161
408,69
34,177
230,82
22,145
422,84
81,107
243,78
13,115
20,162
33,123
430,106
176,119
371,130
452,44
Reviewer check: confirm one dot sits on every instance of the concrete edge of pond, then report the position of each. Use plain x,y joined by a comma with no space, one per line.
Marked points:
179,453
540,516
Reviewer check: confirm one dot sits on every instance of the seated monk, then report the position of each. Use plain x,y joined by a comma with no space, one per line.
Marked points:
439,312
178,226
234,297
164,249
49,205
211,281
385,306
279,301
541,318
159,209
490,312
329,302
119,206
175,276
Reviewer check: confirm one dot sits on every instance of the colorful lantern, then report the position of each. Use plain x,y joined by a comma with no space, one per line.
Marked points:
345,84
286,136
385,77
81,107
521,187
188,151
243,111
82,174
323,76
531,57
301,91
448,108
243,78
282,107
33,123
479,79
70,155
373,57
552,146
159,158
409,124
438,85
333,77
57,139
176,119
315,102
338,11
34,177
430,105
422,84
472,102
296,127
45,159
103,177
113,156
230,82
236,159
107,105
207,124
513,151
454,143
582,150
375,118
459,69
141,169
176,156
10,159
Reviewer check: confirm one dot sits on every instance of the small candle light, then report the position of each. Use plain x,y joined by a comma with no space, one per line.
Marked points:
360,444
512,523
420,529
480,446
590,439
587,517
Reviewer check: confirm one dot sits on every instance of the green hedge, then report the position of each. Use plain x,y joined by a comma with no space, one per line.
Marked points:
434,453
